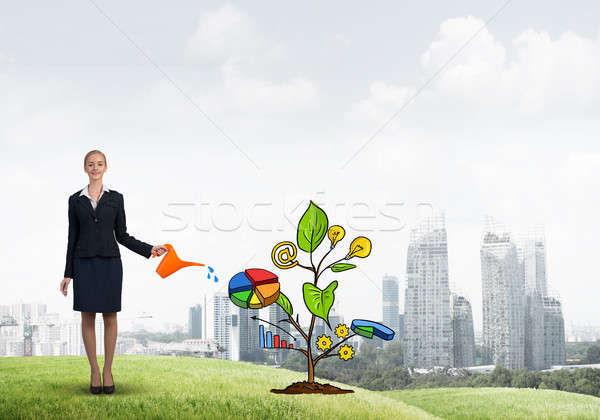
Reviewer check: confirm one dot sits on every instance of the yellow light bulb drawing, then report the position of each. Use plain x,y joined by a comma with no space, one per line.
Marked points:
360,247
335,234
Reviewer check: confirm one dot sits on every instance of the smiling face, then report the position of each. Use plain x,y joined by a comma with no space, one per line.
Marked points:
95,166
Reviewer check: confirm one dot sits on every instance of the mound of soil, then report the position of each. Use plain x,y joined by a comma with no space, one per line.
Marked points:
311,388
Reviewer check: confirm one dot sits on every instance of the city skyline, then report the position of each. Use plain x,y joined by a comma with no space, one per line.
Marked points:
521,242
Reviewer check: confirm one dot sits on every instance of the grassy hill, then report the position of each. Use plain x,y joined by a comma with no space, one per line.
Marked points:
500,403
165,387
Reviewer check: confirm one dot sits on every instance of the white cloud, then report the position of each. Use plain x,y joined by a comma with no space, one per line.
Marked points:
383,98
564,70
229,37
294,94
534,74
478,66
223,33
537,73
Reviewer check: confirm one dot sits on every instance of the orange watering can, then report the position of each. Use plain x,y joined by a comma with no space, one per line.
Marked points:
171,262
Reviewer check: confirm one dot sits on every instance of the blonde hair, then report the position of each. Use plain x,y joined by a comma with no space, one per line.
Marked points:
91,152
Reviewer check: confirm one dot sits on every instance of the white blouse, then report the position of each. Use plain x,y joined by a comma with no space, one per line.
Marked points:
86,192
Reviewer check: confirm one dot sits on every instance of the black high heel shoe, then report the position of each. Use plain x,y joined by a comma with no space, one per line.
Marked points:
109,389
95,389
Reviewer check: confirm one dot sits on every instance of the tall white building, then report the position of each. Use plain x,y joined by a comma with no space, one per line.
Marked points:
463,334
222,325
247,334
20,311
391,306
544,323
503,298
195,321
554,332
70,333
428,337
532,257
11,338
46,336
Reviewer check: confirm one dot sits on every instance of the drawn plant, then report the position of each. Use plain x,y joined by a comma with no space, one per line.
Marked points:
313,228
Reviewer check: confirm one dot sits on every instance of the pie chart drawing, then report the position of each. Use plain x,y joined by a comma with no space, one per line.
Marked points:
368,329
254,288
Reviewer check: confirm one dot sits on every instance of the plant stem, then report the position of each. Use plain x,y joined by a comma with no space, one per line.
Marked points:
305,267
330,265
311,364
298,328
323,259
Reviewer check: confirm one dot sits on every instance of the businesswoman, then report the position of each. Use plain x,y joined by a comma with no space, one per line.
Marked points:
94,263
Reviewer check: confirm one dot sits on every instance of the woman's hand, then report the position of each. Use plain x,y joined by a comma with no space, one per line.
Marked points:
159,249
64,285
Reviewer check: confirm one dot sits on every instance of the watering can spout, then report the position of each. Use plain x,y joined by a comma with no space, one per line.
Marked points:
171,262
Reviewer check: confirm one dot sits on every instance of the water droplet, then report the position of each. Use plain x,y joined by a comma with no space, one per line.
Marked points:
211,269
208,276
216,279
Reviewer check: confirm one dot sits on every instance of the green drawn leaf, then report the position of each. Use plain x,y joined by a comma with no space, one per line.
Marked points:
319,301
285,303
336,268
312,228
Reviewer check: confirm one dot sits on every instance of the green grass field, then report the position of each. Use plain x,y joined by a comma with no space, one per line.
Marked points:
500,403
167,387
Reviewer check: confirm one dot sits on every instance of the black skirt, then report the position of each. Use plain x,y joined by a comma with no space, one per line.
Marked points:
97,284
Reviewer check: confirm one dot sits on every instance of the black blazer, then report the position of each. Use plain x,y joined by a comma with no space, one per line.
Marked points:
93,232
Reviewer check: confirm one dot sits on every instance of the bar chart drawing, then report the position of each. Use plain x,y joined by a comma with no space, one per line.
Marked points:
261,336
269,340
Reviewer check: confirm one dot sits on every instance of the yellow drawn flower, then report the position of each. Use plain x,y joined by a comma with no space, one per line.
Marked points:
335,234
360,247
346,352
323,342
341,330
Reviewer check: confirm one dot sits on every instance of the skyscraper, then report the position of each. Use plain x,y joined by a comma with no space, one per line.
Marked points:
391,307
248,334
463,334
400,332
253,345
428,327
532,257
554,332
71,334
243,333
503,298
222,325
195,321
544,323
534,331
